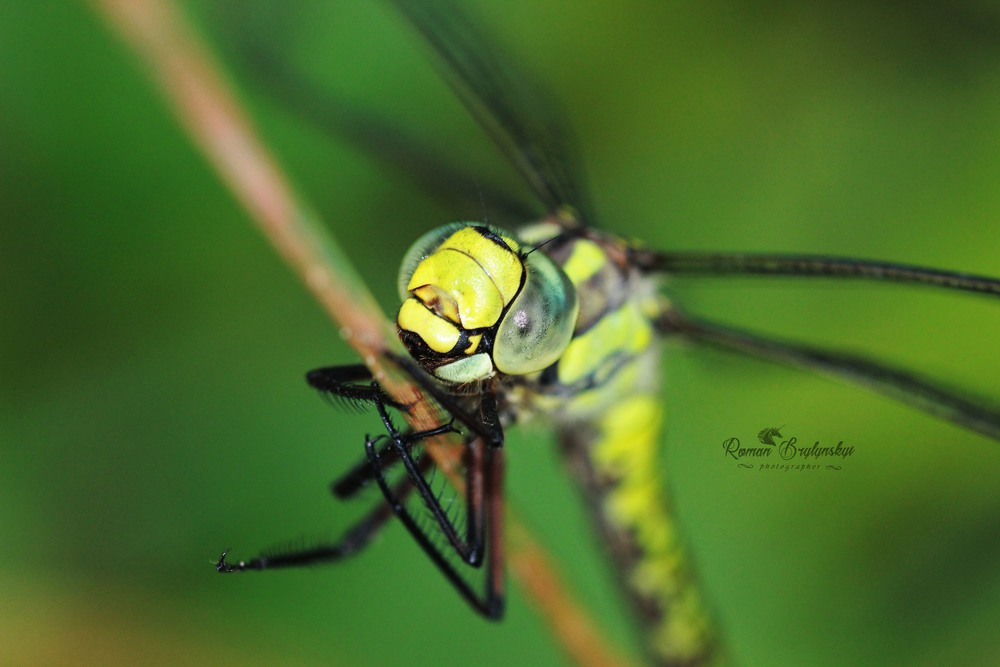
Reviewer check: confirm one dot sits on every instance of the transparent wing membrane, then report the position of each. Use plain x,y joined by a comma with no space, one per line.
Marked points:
520,117
370,132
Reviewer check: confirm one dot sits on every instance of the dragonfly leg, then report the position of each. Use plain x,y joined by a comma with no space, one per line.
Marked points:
483,477
351,384
359,476
352,541
487,477
470,547
486,423
358,536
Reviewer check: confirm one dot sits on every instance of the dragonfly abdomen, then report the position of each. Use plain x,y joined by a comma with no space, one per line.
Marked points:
616,458
603,391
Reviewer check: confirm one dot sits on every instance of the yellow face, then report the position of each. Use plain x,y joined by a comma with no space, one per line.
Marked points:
473,304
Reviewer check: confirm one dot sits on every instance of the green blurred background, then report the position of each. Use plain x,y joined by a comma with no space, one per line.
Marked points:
152,346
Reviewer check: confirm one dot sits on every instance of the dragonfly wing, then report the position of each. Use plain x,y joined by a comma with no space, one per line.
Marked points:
518,115
807,266
904,386
366,130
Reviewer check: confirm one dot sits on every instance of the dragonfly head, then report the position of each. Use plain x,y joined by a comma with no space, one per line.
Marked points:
475,304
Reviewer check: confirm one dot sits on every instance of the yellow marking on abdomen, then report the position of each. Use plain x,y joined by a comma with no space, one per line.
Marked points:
625,450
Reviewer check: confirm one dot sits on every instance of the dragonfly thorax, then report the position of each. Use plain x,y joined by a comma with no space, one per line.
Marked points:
474,304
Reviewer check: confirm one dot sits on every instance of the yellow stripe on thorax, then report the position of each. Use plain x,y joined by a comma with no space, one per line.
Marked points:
623,332
586,260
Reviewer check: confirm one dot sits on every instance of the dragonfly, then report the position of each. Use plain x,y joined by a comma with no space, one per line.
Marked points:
558,321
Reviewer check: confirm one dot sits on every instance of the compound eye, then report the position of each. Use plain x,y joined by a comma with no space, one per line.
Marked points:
539,324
